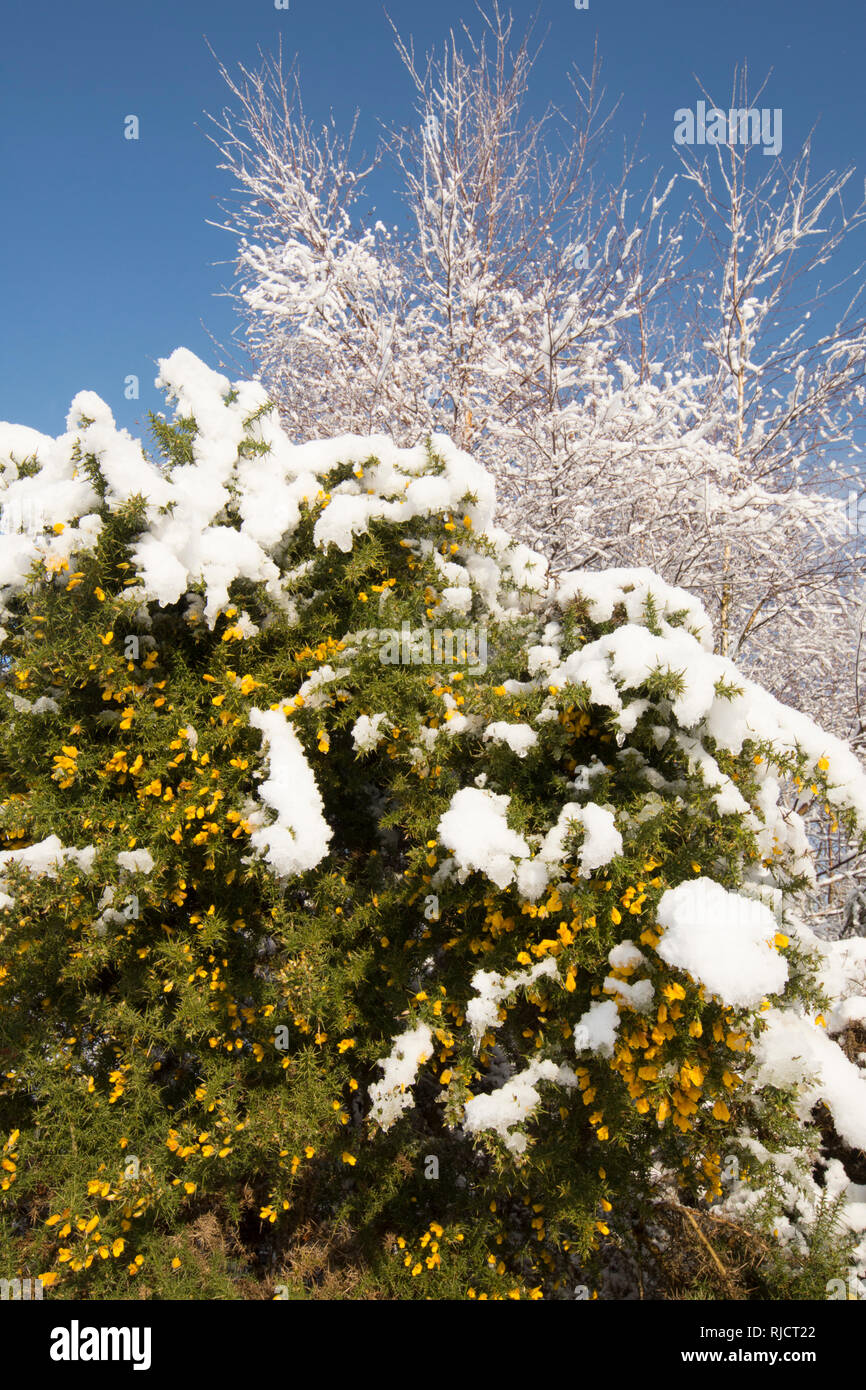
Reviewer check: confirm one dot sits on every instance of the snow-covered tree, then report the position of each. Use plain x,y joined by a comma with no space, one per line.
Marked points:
627,383
784,394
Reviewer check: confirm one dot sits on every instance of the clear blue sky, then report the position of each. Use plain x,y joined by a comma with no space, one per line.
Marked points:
108,261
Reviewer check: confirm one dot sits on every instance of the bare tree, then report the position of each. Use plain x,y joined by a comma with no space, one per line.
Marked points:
646,388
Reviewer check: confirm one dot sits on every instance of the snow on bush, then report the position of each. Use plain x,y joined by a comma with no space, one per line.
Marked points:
298,838
537,917
392,1094
518,737
475,828
596,1030
482,1011
508,1106
723,940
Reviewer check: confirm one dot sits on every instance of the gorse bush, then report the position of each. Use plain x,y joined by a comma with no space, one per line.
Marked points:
334,957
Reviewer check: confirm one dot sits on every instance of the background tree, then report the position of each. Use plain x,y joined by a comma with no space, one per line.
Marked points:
684,391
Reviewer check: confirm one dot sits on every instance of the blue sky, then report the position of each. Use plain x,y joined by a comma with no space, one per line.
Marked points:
108,260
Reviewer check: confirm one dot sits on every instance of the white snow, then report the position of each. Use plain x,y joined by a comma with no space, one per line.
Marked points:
482,1012
601,843
366,733
639,996
519,737
604,590
298,839
136,861
723,940
45,857
596,1030
795,1051
475,828
392,1095
511,1104
626,956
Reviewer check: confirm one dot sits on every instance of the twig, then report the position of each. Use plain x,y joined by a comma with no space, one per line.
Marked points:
684,1211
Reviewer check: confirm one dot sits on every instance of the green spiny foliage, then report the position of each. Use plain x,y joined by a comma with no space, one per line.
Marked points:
187,1049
